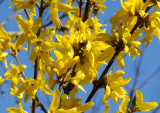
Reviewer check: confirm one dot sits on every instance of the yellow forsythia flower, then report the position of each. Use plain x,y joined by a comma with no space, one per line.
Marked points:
114,87
61,104
137,104
28,86
143,106
41,46
14,73
29,29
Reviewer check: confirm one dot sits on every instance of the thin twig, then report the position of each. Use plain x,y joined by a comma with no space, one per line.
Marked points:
14,54
136,79
155,74
41,105
50,22
38,5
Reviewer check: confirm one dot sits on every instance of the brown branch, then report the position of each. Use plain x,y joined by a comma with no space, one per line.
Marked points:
98,83
26,13
147,9
135,27
86,11
63,80
45,6
80,7
91,9
37,59
35,77
73,73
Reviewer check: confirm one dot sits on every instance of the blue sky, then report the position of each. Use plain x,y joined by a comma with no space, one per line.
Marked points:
150,63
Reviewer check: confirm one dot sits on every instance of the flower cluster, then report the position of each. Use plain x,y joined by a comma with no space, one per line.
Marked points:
73,60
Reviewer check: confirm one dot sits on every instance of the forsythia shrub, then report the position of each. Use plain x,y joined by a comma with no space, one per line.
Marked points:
79,51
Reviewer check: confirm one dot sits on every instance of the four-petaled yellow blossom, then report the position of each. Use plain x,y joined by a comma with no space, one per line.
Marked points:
28,86
29,30
114,89
41,47
14,73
